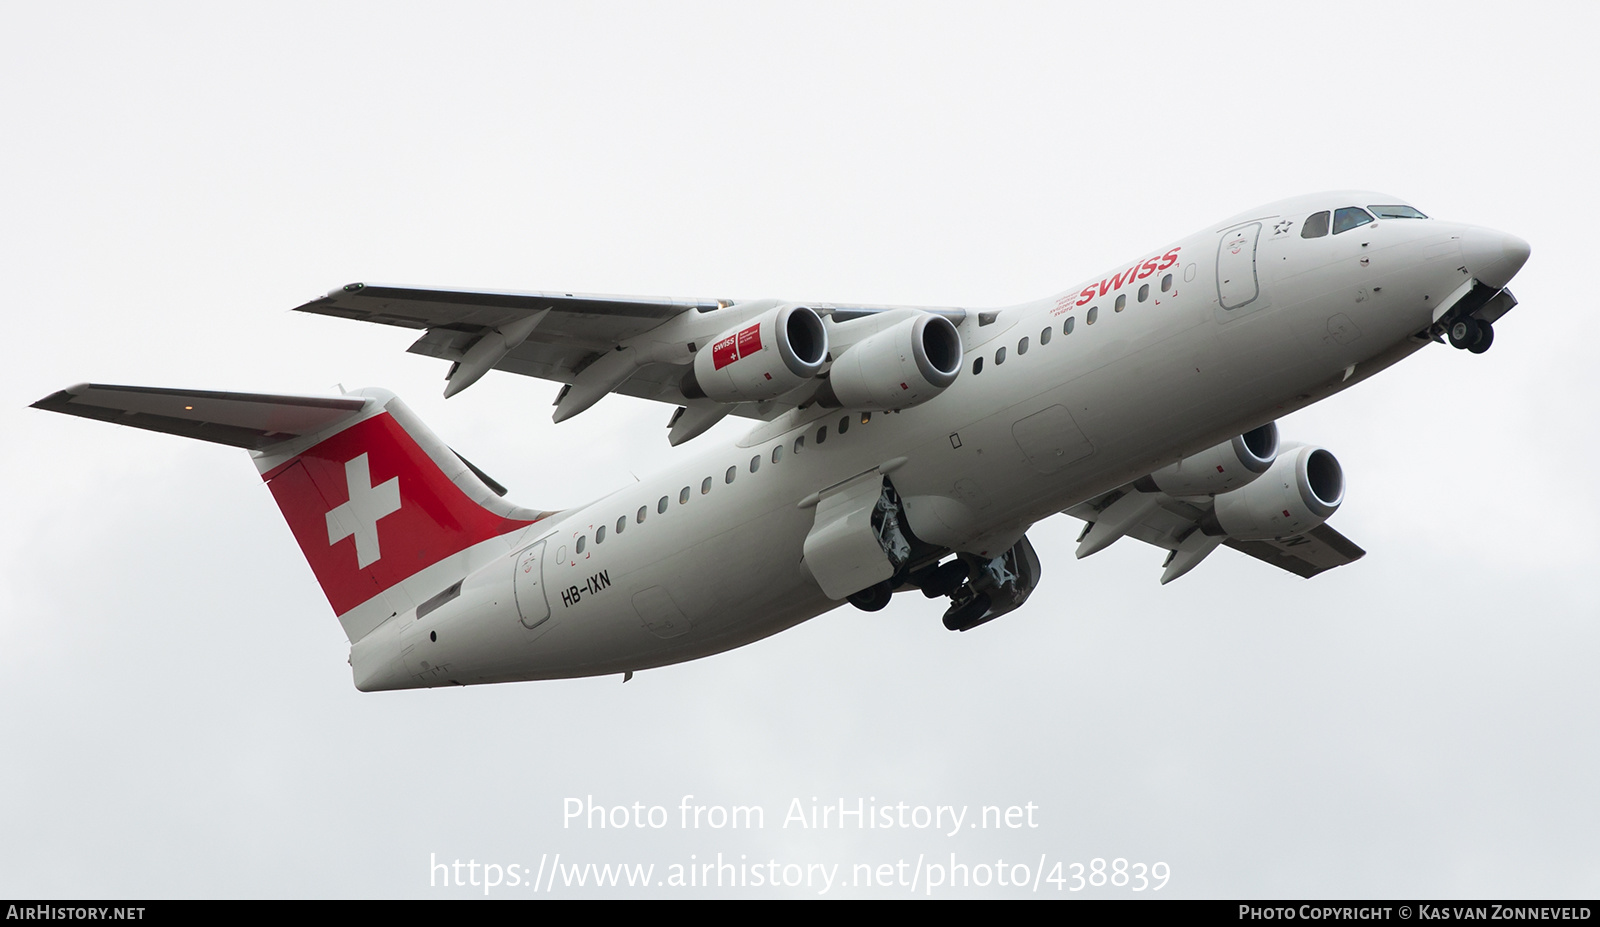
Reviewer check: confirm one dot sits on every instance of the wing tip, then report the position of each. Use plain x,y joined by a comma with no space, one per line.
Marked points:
61,397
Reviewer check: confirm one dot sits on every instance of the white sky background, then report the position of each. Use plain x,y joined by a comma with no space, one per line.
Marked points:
177,716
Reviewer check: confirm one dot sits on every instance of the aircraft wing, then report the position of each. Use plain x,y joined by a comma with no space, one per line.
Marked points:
556,336
577,328
1173,524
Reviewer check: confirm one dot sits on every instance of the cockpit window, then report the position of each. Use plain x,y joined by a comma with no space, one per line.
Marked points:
1350,217
1396,212
1315,226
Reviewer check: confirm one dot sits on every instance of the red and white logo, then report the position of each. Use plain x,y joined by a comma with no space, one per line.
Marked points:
359,516
369,508
743,344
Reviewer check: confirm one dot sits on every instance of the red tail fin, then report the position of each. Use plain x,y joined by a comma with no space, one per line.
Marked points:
370,507
371,495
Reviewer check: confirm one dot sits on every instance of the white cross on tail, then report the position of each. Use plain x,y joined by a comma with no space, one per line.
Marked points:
360,515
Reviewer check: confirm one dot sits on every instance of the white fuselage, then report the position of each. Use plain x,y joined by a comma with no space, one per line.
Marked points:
716,559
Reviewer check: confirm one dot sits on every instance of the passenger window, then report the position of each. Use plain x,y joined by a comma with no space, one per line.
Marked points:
799,444
844,424
705,485
661,507
728,477
1066,327
1315,226
1094,313
1022,347
866,417
1144,292
777,453
1166,283
639,516
580,543
1122,302
622,523
977,366
999,356
1044,336
683,496
1350,217
600,535
822,434
755,463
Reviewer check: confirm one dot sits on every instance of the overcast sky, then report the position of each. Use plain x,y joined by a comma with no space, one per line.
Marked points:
178,717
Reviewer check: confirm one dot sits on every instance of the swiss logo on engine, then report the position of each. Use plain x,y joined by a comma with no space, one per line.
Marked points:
742,344
750,341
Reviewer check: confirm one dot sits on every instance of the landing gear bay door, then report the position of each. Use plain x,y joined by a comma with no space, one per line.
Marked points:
848,549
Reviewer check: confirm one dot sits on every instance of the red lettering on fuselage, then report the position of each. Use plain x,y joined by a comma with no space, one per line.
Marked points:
1136,272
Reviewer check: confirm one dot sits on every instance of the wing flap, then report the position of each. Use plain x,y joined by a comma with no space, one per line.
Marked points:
1316,551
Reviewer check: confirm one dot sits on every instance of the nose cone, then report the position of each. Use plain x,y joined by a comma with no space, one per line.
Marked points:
1516,253
1493,257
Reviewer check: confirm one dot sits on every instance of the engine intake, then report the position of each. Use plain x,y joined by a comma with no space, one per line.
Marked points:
1302,490
761,359
1223,468
906,364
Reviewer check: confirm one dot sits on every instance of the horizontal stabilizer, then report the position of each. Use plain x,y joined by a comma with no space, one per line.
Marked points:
248,420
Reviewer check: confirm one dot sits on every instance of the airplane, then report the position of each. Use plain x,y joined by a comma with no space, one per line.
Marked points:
893,449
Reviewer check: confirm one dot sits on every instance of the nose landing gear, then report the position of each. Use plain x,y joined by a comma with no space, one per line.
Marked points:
1471,334
1467,317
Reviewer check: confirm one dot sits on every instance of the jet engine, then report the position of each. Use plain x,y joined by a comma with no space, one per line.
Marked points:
1301,490
1223,468
760,359
905,364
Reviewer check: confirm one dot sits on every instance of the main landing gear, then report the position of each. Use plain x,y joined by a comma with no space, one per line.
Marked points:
986,589
1471,334
873,598
980,590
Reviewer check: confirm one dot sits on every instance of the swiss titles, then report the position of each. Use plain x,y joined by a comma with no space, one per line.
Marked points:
736,346
1137,272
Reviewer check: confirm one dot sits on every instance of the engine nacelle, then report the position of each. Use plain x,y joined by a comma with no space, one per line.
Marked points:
903,365
1301,490
1223,468
761,359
